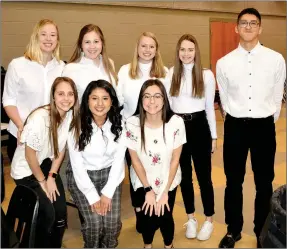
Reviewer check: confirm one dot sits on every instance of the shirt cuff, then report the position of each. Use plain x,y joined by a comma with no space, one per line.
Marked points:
92,196
109,191
8,102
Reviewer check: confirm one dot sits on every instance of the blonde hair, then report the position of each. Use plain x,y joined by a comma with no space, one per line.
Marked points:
33,51
106,61
157,68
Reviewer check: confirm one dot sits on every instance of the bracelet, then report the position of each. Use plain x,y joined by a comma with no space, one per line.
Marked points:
42,180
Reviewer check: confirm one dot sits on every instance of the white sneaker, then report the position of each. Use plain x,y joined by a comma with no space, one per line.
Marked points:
191,228
205,231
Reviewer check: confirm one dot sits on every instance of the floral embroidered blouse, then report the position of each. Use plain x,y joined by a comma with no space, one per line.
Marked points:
36,135
157,158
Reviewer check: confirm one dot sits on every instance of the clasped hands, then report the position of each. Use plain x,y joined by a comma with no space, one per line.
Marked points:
151,204
102,206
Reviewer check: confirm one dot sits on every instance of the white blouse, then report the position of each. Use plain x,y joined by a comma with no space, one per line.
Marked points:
128,89
186,103
27,86
102,152
36,135
157,158
85,71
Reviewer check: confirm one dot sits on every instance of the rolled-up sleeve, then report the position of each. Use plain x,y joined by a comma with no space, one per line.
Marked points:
11,85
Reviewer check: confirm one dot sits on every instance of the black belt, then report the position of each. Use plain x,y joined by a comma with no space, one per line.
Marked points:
190,116
247,119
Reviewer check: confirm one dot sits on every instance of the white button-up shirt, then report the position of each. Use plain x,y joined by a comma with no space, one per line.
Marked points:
28,85
36,135
128,89
186,103
251,83
102,152
85,71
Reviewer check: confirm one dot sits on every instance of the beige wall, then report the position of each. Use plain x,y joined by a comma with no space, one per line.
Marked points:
122,23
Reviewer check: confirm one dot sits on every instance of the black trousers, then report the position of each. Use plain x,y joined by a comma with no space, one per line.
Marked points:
240,136
151,223
11,146
52,217
197,149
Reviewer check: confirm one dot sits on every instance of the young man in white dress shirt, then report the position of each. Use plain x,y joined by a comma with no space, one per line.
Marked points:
250,81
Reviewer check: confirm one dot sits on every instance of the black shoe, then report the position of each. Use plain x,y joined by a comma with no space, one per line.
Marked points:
258,243
139,221
228,241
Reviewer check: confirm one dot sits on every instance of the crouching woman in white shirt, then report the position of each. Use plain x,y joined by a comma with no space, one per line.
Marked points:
96,167
154,137
37,159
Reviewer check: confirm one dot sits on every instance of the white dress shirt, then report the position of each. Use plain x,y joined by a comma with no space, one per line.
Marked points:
28,85
251,83
128,89
36,135
85,71
102,152
157,159
186,103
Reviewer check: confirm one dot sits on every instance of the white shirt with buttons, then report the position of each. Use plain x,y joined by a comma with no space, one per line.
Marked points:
36,135
27,86
102,152
251,82
85,71
186,103
128,89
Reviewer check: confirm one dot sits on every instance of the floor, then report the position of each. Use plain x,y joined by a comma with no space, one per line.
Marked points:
129,238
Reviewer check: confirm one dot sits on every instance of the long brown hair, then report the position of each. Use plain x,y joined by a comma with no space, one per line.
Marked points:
197,73
157,68
33,51
167,113
55,118
106,61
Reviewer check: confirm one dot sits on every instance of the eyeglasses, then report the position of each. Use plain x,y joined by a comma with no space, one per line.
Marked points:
244,24
155,97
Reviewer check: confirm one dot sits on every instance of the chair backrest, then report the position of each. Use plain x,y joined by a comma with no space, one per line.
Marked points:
23,207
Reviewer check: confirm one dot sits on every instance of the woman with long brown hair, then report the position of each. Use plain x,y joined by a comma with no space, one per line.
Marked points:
192,93
29,78
154,137
37,159
90,60
146,64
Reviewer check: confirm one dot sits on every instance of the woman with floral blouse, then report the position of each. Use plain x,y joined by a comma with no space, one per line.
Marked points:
154,137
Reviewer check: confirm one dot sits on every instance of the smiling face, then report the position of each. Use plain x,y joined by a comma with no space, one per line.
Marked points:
249,34
100,103
153,100
48,38
146,49
92,45
186,52
64,98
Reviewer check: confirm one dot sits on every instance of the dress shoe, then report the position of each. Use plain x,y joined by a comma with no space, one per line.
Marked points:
228,241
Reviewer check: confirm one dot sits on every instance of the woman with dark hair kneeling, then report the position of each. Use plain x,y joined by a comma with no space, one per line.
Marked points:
154,137
37,159
96,167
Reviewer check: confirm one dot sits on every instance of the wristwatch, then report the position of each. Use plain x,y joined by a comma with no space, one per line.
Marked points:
52,174
147,189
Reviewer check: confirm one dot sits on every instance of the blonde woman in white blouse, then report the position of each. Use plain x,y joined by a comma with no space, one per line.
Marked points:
191,92
38,158
90,60
29,78
97,166
146,64
154,137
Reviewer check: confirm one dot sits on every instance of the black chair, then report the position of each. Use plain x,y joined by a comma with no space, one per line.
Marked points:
23,206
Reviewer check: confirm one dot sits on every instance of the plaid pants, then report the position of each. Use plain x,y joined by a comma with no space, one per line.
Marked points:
98,231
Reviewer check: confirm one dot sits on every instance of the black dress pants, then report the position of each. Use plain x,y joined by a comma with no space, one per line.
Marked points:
52,217
11,146
240,136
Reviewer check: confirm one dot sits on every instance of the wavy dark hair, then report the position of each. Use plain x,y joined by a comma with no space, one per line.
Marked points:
113,114
167,113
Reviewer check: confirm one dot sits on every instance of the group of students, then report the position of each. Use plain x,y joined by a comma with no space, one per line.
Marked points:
155,120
